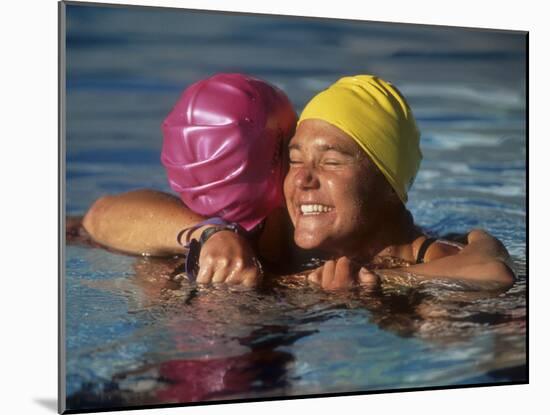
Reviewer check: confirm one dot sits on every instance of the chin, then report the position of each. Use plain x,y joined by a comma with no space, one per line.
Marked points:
307,241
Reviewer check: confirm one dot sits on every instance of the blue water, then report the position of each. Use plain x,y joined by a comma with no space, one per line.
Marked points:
132,340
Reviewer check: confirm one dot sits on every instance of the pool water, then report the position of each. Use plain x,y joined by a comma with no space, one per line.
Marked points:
133,338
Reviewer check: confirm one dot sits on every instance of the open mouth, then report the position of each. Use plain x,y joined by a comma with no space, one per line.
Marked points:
314,209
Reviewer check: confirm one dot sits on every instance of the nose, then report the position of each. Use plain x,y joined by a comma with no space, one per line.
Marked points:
306,177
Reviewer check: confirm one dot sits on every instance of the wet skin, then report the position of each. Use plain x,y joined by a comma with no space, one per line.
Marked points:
334,193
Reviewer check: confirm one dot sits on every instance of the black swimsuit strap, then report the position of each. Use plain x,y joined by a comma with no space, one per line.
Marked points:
423,248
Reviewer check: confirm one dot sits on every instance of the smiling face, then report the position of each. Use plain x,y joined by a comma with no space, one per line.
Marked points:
334,193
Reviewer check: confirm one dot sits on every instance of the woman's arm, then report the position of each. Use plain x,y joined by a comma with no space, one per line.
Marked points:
148,222
484,259
139,222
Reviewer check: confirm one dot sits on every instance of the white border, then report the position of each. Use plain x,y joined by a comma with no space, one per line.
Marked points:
29,211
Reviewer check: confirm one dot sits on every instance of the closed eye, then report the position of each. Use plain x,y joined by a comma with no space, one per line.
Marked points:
294,156
332,162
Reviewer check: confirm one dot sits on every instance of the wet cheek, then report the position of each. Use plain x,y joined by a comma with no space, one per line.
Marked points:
288,191
348,196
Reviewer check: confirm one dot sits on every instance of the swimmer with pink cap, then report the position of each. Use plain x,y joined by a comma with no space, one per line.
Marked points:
223,150
223,147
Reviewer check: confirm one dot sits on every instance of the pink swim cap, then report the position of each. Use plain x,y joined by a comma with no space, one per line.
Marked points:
223,147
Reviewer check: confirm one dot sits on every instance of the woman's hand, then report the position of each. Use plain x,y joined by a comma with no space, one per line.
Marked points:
343,274
227,257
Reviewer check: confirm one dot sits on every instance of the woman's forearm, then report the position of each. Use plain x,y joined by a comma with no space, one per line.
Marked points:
480,269
483,260
139,222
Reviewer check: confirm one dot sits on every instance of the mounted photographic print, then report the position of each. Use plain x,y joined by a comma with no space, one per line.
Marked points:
261,207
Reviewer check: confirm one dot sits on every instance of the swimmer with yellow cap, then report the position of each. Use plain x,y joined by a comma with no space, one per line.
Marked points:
353,159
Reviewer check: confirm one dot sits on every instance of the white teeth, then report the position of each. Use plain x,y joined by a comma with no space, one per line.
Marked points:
314,209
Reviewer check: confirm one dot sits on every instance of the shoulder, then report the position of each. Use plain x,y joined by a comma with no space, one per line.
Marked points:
428,249
441,249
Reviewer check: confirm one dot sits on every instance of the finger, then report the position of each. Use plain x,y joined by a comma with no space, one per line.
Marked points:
236,273
368,279
328,274
251,278
220,273
205,273
343,277
316,276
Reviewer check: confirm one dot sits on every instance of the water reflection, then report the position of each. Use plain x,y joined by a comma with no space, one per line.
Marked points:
212,343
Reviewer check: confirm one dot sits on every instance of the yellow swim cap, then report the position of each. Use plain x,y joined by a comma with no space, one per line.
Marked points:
375,114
